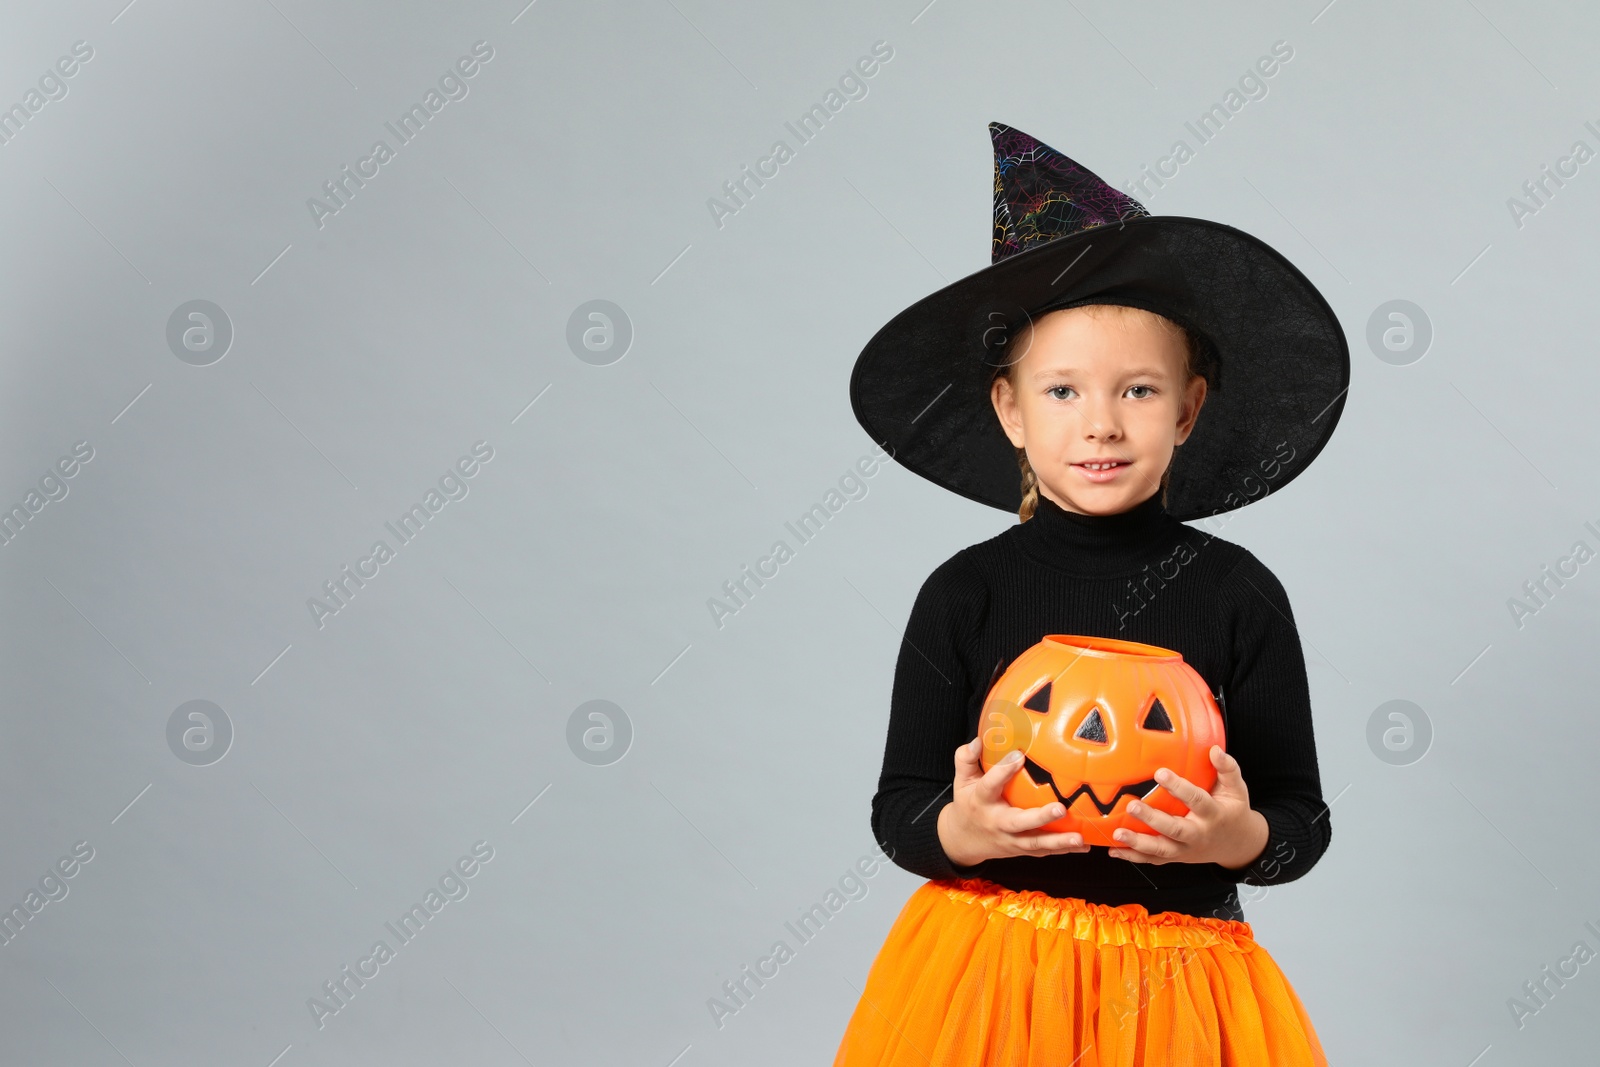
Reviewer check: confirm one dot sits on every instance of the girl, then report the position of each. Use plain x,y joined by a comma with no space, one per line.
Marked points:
1085,359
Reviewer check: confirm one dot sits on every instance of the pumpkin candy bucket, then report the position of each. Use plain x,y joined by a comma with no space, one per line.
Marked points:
1095,718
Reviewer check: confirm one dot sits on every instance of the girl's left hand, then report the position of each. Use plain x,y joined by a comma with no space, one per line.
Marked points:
1221,827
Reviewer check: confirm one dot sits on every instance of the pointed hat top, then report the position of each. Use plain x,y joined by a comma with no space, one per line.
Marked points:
1040,194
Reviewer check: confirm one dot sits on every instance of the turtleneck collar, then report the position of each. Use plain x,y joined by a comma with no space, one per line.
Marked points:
1098,545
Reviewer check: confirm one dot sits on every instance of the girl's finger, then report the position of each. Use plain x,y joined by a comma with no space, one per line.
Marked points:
967,764
1150,846
1179,786
1017,820
1226,765
1160,821
1046,844
994,781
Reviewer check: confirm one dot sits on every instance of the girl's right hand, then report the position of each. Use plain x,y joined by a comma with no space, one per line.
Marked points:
980,824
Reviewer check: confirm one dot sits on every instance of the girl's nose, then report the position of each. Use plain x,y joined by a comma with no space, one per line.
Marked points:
1099,419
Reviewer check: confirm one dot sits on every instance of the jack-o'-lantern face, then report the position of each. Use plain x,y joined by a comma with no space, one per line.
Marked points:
1095,718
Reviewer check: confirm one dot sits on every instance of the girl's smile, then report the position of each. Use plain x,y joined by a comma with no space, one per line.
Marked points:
1101,471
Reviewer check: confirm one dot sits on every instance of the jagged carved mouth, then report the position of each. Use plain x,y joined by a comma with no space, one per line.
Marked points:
1041,776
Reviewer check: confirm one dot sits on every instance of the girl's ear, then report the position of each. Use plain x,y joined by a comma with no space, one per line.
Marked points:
1194,397
1004,399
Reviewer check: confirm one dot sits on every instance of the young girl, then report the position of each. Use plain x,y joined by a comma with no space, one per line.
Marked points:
1028,947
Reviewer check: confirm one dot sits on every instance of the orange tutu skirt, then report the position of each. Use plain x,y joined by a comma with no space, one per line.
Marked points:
976,975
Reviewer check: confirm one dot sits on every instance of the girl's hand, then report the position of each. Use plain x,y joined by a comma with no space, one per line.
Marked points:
980,824
1221,827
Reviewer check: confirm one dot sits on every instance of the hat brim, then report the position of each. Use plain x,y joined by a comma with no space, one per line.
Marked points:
920,387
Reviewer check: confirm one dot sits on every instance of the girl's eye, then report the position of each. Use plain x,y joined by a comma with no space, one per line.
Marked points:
1055,390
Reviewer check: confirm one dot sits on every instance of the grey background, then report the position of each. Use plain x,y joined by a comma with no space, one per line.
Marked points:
430,712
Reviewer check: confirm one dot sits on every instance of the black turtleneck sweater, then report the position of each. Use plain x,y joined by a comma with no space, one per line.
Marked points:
1140,575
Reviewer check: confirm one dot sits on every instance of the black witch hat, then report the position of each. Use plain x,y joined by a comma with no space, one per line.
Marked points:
1274,354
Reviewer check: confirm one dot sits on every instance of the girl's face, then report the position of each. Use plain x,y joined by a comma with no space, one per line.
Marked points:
1099,385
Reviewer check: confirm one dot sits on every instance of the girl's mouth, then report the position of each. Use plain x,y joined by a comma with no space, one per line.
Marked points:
1101,471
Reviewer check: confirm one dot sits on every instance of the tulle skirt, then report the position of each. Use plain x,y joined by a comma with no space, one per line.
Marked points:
976,975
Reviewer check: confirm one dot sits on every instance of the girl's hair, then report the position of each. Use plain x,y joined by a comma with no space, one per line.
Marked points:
1197,363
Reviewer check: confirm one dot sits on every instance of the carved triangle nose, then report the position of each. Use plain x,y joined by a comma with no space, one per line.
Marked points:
1093,728
1157,718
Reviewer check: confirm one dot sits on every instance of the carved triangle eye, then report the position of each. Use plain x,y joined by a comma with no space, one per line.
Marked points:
1157,718
1093,728
1040,701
